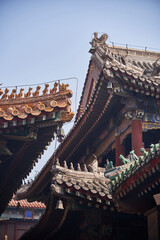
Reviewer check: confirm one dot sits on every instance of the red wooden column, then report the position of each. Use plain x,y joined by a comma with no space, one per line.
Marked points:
119,150
136,131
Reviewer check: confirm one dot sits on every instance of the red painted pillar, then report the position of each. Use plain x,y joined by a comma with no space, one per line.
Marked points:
119,150
136,130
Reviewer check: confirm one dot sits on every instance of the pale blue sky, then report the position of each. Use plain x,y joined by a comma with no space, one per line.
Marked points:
48,40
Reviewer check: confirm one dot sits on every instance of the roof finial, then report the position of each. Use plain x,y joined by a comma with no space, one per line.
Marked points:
93,166
57,162
65,164
103,38
124,160
71,166
78,167
95,35
85,168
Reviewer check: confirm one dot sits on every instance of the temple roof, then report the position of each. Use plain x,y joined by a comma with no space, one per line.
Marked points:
25,204
137,181
132,69
19,106
123,72
87,181
78,133
28,124
73,189
84,182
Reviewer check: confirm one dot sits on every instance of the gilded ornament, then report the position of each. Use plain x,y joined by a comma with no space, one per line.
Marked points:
20,94
41,106
45,91
63,87
53,103
8,117
28,94
66,117
48,109
2,113
28,109
22,115
12,95
5,95
1,92
35,112
61,103
36,93
15,112
54,89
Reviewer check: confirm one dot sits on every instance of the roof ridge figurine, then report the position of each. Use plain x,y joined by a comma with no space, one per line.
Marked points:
93,166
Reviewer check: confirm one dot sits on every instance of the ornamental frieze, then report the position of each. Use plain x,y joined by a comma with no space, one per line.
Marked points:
34,103
149,126
151,117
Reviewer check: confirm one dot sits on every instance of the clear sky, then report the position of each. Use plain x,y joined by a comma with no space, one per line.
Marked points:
45,40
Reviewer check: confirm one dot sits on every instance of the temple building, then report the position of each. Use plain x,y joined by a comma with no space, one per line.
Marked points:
103,180
28,123
18,218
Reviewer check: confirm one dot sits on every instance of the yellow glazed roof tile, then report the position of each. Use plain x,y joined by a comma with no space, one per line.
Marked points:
20,104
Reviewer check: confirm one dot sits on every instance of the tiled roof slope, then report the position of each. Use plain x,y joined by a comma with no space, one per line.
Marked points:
137,164
25,204
84,182
72,189
19,106
90,119
140,68
131,69
28,124
123,70
138,175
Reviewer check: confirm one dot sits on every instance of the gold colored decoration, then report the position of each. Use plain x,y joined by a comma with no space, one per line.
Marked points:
1,92
45,91
28,109
20,94
22,115
22,104
53,103
68,108
9,110
15,112
66,116
41,106
2,113
62,103
35,112
8,117
48,109
12,95
36,93
28,94
63,87
5,95
54,89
